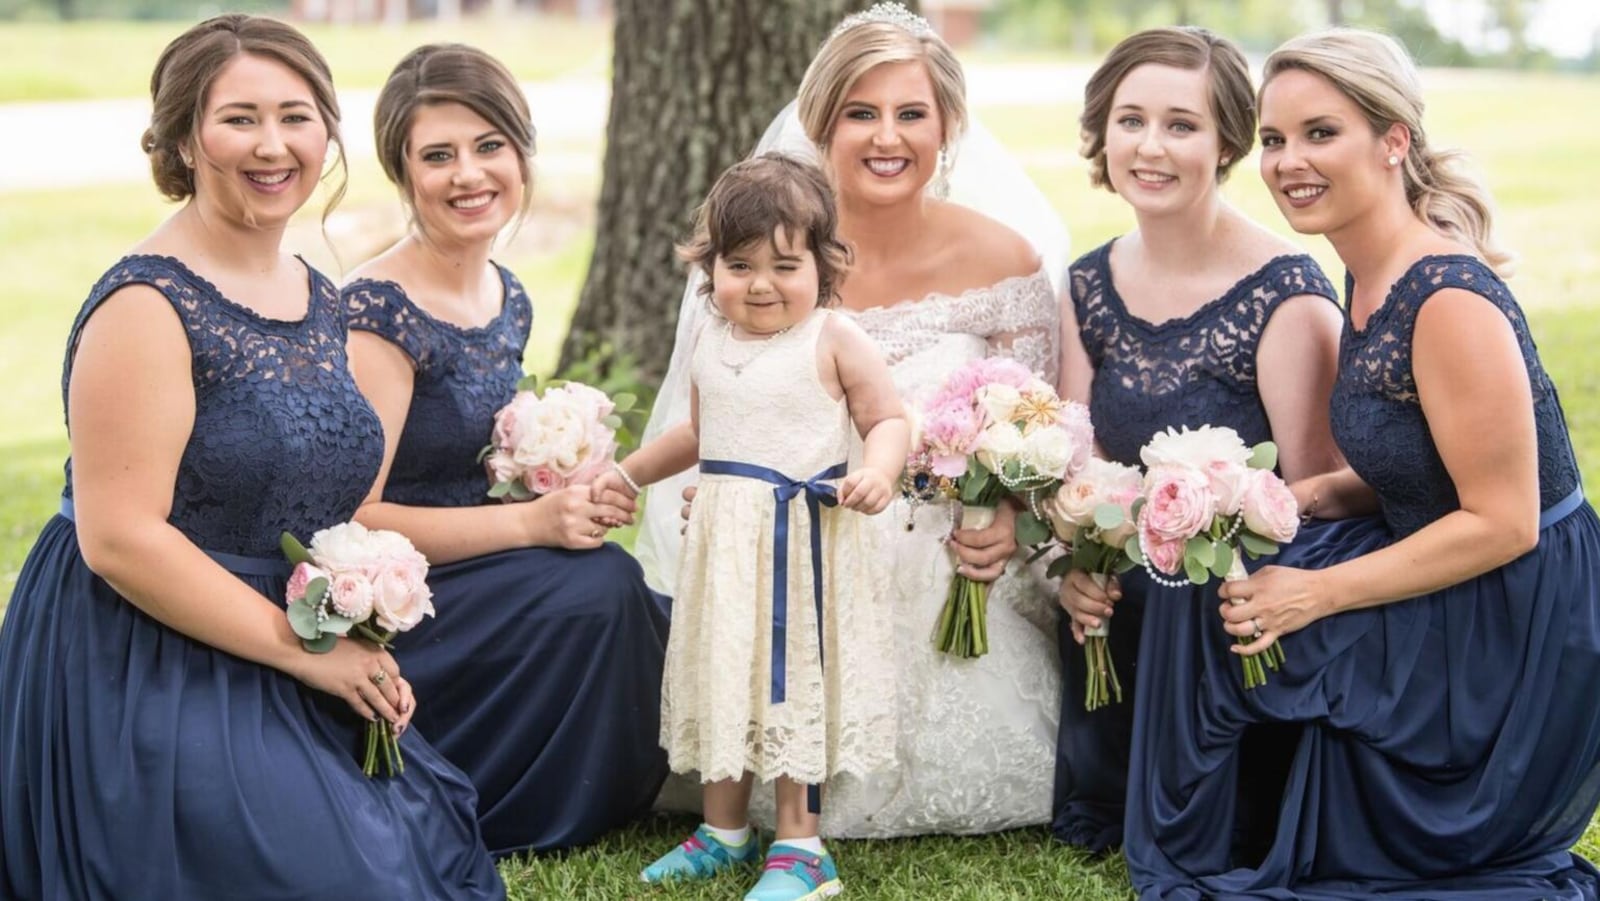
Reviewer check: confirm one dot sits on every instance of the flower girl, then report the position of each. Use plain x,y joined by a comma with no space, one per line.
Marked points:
778,664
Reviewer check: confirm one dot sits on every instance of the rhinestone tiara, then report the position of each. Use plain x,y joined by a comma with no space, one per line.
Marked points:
888,13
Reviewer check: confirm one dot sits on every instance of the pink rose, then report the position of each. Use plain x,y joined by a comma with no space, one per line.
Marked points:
304,574
1179,504
1269,507
1124,498
1228,479
401,597
541,480
351,596
1164,555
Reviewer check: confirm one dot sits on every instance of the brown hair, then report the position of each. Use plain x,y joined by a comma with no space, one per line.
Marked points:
181,85
851,53
1233,100
755,198
1377,74
451,73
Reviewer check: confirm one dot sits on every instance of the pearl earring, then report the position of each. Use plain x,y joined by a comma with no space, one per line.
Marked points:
1394,160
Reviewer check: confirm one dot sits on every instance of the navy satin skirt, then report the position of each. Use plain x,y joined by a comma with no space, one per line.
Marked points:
1449,744
540,676
136,762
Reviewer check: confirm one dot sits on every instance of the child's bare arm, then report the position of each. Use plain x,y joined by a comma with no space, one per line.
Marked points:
875,409
672,452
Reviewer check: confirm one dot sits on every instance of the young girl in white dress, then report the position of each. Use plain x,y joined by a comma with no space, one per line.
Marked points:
779,664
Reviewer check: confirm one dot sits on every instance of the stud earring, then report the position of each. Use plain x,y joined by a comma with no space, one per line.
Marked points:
1394,160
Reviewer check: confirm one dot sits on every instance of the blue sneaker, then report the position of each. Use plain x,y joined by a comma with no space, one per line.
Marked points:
795,874
701,856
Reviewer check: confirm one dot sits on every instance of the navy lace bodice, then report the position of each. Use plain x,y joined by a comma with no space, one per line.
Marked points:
463,377
1377,417
1193,371
282,439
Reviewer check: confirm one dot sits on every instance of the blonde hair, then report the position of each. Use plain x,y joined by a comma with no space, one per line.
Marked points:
1377,74
1227,73
851,53
451,73
186,70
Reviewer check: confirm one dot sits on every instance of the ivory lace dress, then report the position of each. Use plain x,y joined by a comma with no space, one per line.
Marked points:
976,741
762,403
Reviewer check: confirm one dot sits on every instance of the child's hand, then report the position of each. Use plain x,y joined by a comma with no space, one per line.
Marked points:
610,480
867,490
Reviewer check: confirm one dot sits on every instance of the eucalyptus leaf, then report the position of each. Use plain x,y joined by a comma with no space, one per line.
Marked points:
322,644
487,450
624,402
500,489
529,382
303,620
1264,456
1107,516
1030,531
1223,561
293,549
1059,567
612,422
335,624
1134,508
519,491
1083,557
1200,551
1255,544
1196,572
315,590
1132,549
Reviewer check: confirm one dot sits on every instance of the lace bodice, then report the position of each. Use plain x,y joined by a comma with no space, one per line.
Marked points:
763,401
1016,317
1197,370
282,439
463,377
1377,417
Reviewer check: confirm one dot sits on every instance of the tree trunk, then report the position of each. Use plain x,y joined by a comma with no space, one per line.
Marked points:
694,84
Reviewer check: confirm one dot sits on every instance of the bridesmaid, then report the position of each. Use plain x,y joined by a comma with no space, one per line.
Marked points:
1442,655
162,733
1198,316
543,665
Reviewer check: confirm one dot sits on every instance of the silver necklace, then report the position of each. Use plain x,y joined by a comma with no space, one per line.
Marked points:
739,365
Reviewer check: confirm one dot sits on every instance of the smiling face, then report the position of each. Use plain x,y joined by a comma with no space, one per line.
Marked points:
1162,148
262,143
466,177
766,286
885,143
1319,156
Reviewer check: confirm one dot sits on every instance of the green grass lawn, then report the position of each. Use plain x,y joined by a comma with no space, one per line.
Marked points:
54,244
95,60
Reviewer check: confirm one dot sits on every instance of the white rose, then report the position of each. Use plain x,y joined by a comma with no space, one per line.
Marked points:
997,444
1000,401
1050,452
1195,448
341,548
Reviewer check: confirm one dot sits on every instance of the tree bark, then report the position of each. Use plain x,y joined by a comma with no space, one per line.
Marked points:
694,84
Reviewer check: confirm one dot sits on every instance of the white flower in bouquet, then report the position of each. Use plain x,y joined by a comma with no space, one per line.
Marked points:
1000,401
1217,451
997,443
1050,452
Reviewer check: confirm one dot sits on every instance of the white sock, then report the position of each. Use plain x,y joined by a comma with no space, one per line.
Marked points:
733,838
812,843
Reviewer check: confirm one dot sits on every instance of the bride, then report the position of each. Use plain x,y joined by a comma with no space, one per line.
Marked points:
936,283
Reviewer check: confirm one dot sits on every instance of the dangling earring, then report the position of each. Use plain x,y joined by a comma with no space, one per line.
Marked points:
1393,161
940,186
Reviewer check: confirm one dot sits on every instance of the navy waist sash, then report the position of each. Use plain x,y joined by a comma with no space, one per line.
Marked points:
1562,509
818,494
238,564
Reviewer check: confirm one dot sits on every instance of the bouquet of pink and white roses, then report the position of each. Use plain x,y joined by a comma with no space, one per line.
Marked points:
371,582
992,430
544,441
1203,492
1092,514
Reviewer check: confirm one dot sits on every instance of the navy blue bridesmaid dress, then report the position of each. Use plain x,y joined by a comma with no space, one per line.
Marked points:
1193,371
542,668
1450,743
136,762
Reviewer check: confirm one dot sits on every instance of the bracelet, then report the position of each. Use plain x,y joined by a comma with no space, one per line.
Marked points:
1311,509
627,479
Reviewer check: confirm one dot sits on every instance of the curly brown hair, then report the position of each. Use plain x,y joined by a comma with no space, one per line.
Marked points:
755,198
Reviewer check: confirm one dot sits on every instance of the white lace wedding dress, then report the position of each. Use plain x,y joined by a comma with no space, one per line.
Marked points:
976,738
